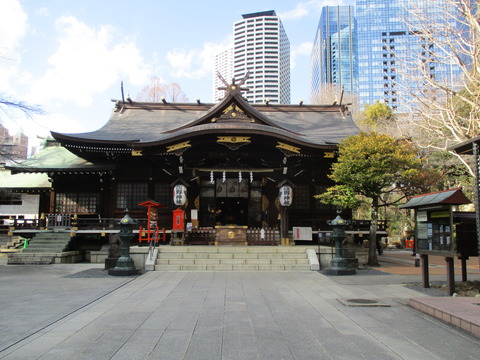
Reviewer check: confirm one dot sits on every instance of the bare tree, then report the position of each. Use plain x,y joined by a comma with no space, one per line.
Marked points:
156,91
9,107
331,94
443,109
14,148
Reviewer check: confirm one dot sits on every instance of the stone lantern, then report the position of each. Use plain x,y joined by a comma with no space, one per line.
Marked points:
125,265
339,264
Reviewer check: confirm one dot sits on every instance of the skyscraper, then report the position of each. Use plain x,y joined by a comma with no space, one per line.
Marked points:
391,50
261,48
333,61
223,66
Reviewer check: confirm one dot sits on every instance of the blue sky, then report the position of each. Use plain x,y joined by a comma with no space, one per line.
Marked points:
70,57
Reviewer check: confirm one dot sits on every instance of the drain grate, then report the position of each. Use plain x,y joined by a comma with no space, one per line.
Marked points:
363,302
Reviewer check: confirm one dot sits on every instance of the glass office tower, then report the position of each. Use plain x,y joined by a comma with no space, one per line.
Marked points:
391,49
333,61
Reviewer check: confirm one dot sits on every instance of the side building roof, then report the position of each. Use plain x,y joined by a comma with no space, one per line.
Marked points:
56,158
447,197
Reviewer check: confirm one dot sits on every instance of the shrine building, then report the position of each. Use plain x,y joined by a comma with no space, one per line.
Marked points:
231,163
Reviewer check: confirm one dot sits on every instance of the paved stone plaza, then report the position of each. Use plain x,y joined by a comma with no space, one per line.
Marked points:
75,311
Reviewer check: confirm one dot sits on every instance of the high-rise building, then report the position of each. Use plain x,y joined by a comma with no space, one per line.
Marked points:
333,61
390,49
223,66
261,49
12,147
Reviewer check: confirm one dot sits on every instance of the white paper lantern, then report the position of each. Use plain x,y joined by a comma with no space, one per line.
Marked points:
286,195
179,194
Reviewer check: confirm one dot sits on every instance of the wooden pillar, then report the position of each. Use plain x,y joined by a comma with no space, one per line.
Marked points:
284,225
450,276
425,277
464,268
52,202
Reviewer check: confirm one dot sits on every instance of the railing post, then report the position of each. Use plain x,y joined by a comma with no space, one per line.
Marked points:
42,222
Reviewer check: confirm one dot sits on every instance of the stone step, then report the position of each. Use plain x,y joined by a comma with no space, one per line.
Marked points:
231,258
162,261
44,249
233,267
228,250
45,258
48,242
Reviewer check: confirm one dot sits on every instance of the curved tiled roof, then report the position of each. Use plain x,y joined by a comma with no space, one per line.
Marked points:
146,124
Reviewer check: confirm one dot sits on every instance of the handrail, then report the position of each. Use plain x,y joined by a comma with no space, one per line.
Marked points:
151,248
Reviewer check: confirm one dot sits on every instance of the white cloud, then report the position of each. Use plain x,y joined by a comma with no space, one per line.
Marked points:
43,11
40,125
13,27
304,49
58,122
87,62
196,63
307,8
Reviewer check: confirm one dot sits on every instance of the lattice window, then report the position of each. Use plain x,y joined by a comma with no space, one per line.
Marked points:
129,195
8,198
163,194
77,203
301,197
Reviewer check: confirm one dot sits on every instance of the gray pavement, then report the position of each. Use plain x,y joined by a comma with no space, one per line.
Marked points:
75,311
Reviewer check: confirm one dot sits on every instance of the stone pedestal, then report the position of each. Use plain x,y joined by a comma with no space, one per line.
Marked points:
110,263
114,251
342,266
124,267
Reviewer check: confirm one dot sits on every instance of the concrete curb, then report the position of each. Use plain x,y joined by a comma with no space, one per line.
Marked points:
462,312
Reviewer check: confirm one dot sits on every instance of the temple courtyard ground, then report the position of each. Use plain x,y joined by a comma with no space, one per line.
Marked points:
77,311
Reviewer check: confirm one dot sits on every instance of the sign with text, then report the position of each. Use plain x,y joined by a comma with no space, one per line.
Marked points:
302,233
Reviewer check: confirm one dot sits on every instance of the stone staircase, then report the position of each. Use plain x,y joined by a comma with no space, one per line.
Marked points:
49,242
47,247
12,243
232,258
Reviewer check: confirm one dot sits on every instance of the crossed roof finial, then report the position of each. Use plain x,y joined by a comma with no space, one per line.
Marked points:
233,87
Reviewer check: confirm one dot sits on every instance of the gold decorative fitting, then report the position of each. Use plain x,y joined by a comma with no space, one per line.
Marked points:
234,139
178,146
137,153
329,155
288,147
